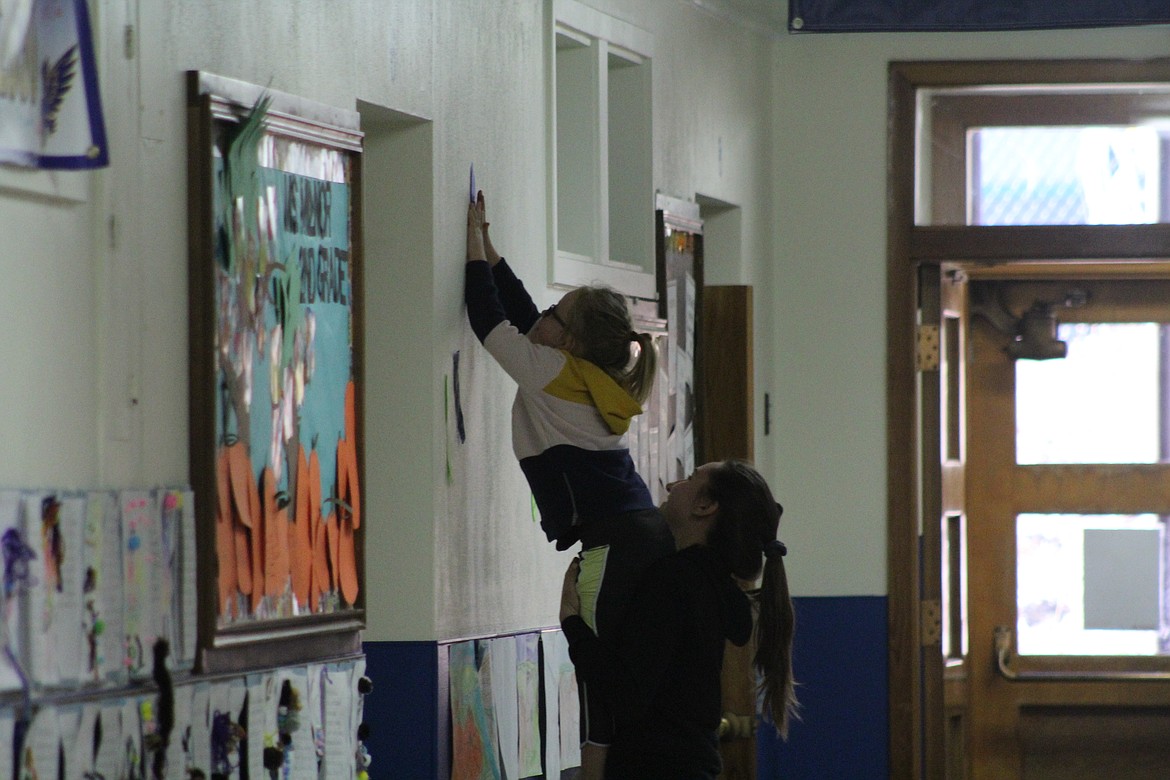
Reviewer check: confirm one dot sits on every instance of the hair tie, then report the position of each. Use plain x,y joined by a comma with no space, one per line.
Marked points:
774,548
633,336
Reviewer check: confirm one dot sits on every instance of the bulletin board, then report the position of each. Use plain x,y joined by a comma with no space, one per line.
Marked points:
276,450
679,252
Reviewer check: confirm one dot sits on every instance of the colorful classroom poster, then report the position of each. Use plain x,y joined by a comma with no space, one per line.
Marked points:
16,573
552,711
65,602
301,753
473,754
141,553
501,656
339,695
286,419
528,701
97,603
556,651
41,513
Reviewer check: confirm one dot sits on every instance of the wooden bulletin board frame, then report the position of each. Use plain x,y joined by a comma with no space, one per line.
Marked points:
276,345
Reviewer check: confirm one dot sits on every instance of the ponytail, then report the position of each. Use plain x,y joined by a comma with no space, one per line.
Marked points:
600,326
744,536
775,629
639,380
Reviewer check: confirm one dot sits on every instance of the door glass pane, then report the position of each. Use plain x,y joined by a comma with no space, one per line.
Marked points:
1065,175
1090,584
1100,404
954,587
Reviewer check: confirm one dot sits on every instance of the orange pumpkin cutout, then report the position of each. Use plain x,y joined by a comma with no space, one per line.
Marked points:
320,574
255,561
225,549
242,558
333,536
273,539
301,552
347,560
316,534
241,476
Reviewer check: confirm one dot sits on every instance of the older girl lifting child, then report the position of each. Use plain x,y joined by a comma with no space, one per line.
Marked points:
662,666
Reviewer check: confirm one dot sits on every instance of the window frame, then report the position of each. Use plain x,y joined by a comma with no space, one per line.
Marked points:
607,37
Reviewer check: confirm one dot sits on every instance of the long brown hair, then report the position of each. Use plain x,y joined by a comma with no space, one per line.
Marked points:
602,331
744,529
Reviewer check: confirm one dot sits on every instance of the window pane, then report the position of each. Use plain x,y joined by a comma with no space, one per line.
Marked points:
954,587
1098,405
1089,584
1065,176
631,173
577,160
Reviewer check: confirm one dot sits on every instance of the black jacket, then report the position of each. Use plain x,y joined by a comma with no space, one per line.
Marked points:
662,670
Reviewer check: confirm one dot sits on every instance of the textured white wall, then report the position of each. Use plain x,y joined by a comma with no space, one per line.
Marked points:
48,351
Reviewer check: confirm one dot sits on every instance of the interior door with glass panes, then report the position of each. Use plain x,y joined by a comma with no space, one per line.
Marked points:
1067,498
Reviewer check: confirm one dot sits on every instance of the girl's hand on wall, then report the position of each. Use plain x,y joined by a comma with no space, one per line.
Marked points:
493,256
476,230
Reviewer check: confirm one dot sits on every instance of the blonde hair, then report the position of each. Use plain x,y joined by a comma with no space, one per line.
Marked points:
602,332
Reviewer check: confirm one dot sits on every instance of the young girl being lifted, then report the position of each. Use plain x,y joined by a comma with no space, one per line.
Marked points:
582,374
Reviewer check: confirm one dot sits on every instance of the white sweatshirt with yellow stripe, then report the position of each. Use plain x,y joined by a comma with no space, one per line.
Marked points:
569,419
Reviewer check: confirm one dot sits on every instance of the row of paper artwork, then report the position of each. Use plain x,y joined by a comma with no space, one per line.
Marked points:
495,698
91,580
295,723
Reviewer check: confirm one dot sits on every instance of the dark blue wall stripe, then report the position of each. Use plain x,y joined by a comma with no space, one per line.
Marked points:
840,661
402,710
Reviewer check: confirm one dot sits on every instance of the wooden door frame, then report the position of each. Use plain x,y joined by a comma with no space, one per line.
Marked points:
909,247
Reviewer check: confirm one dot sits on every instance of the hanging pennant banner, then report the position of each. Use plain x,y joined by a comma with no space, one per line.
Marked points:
965,16
50,108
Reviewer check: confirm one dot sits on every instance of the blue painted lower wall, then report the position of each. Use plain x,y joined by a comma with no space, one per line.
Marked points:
840,660
402,710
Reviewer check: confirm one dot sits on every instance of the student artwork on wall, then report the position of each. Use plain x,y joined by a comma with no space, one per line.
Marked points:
276,326
680,303
474,753
92,580
512,708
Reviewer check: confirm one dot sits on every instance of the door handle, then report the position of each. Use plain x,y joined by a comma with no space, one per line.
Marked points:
1003,658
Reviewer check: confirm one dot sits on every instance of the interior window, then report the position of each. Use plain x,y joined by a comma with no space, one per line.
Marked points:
602,214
